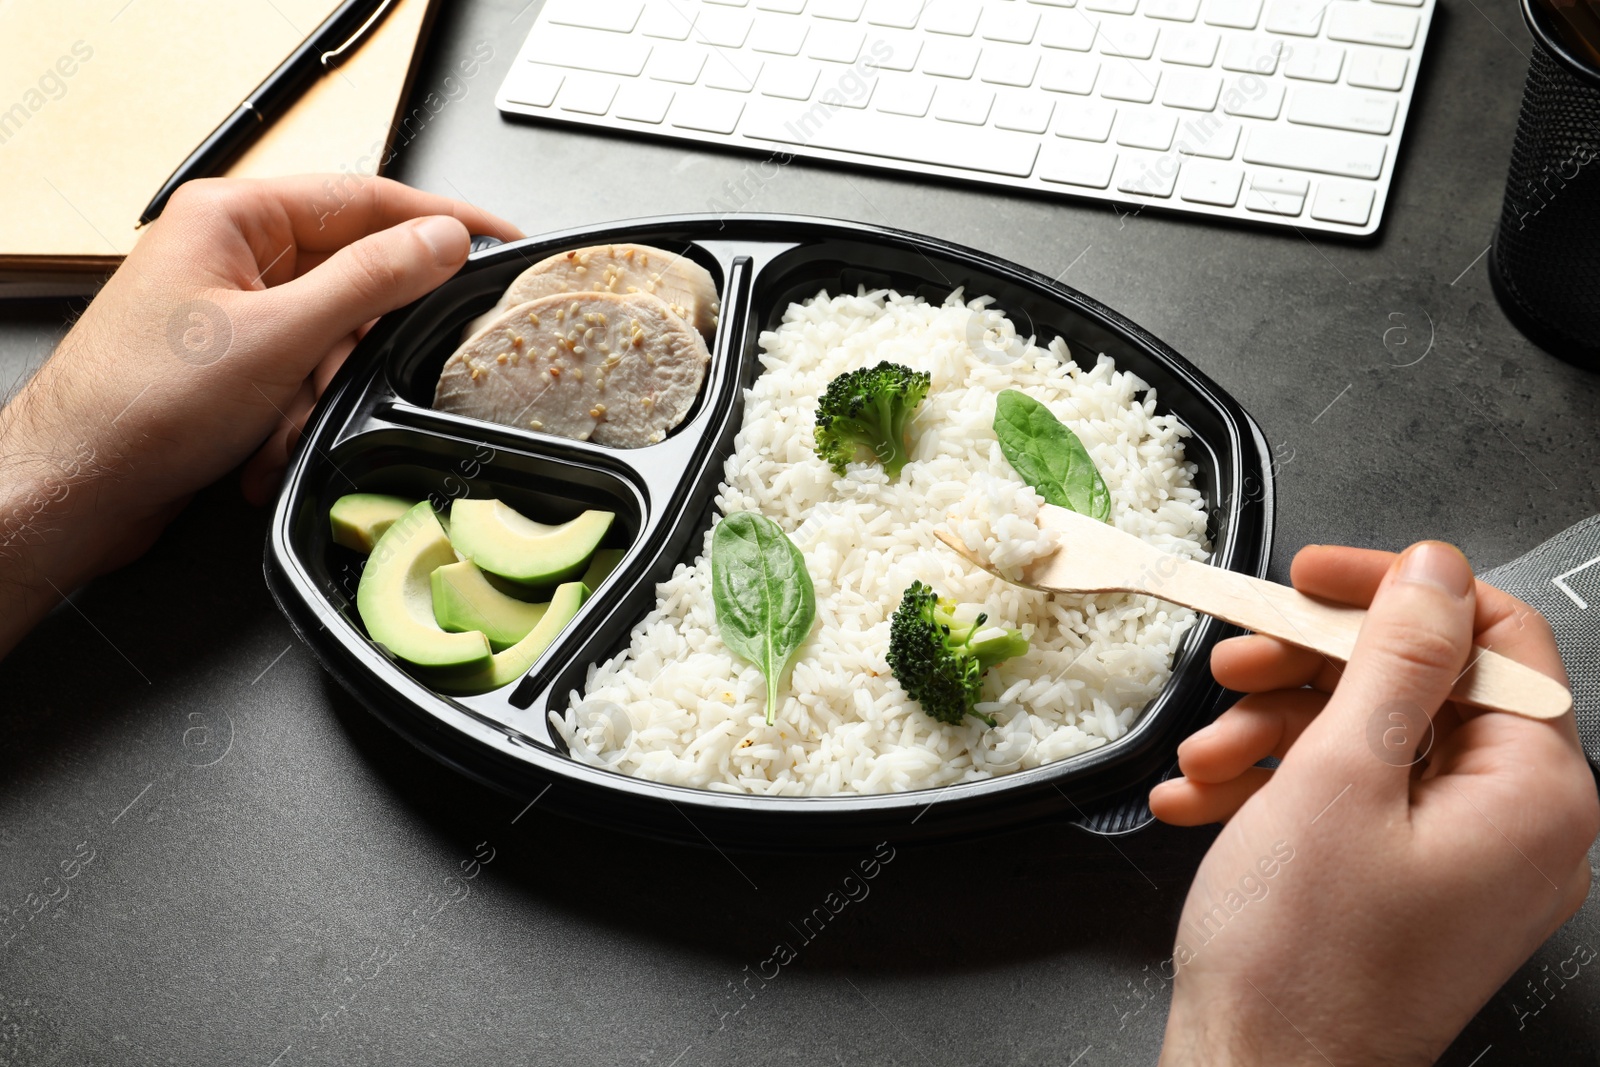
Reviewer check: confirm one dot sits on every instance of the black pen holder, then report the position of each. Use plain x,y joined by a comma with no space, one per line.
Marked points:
1545,262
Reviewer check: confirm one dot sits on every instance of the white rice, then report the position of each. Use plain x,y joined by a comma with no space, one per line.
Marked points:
678,707
998,520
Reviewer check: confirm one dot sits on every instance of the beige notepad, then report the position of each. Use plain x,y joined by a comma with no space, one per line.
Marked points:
97,110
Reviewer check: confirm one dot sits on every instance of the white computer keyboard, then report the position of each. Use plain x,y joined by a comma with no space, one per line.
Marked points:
1275,111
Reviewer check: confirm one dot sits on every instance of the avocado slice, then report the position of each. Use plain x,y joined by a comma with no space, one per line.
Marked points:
601,564
463,600
395,597
359,519
509,666
511,546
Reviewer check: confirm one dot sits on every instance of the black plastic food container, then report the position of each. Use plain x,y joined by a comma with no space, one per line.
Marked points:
374,432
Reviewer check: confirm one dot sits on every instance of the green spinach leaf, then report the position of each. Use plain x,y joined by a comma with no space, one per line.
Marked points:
763,594
1049,456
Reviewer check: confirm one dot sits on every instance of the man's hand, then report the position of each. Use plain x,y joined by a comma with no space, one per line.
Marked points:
1369,895
211,342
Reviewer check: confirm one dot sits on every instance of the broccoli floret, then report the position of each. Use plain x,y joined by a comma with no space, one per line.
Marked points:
869,409
935,659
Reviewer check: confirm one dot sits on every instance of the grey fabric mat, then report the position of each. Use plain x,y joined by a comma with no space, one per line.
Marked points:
1562,579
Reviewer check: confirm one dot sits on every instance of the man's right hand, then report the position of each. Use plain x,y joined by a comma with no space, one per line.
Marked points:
1361,904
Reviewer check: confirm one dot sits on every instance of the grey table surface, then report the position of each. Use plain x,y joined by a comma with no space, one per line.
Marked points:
267,876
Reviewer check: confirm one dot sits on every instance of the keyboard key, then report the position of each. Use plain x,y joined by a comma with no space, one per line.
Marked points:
1128,37
1343,202
1084,120
1239,14
1012,25
1073,31
586,94
1023,112
1147,174
1124,81
1361,23
950,59
892,137
681,65
896,14
958,18
1210,183
1268,181
1349,155
1077,164
643,102
618,16
778,34
834,42
1314,62
1069,74
1269,203
1172,10
1301,18
783,7
1193,48
1276,193
1008,65
1255,55
1341,109
893,50
842,10
724,29
708,112
1191,89
533,84
1208,136
1252,97
1115,7
666,21
1376,70
1137,128
905,96
966,104
734,71
843,87
1404,3
728,3
603,53
789,81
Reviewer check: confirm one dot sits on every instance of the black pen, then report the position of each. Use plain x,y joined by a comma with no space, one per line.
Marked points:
320,52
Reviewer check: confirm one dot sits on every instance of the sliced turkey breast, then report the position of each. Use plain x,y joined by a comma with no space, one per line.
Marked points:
685,286
618,370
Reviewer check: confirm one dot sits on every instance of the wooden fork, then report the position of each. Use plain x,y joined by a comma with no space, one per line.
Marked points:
1098,558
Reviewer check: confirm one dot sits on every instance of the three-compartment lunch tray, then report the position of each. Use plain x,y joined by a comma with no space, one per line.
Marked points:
375,432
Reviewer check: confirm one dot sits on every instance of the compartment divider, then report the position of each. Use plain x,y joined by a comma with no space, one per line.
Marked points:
681,498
